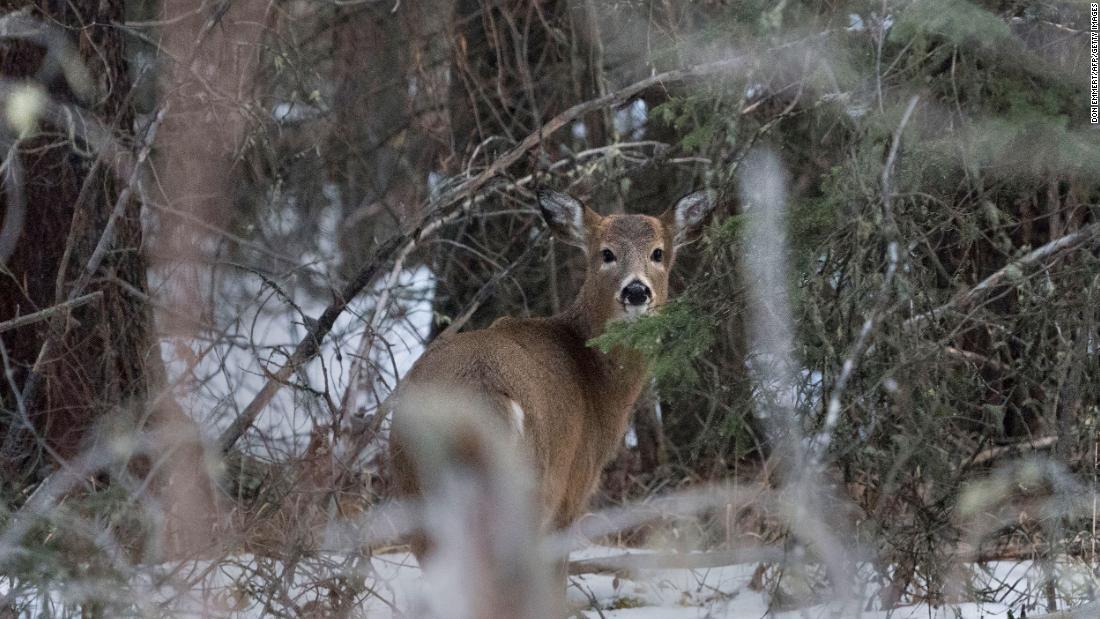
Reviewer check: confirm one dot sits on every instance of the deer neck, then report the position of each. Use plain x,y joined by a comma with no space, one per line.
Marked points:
621,371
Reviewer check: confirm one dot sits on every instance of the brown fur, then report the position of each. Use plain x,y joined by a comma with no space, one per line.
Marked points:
576,400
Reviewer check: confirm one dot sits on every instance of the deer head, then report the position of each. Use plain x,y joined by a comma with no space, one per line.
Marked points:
628,256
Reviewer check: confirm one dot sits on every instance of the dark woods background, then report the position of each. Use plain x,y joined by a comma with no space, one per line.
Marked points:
288,141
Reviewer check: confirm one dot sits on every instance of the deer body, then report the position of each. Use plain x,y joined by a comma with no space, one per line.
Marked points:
566,404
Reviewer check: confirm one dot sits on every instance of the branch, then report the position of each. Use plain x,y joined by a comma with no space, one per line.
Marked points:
309,345
13,441
489,289
832,414
631,562
976,359
448,206
34,317
968,298
993,453
16,206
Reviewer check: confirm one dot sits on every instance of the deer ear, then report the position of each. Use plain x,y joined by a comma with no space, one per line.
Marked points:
687,217
566,216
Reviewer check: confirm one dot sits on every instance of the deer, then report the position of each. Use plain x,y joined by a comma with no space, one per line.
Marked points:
566,405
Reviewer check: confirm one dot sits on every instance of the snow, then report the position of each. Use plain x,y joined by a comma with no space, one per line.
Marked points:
396,586
262,325
703,593
295,111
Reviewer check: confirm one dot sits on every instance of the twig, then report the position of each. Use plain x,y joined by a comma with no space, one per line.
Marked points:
89,132
16,212
832,414
448,206
975,358
489,289
34,317
107,238
348,401
12,443
310,344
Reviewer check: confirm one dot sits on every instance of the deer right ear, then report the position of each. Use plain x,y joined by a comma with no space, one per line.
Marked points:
566,216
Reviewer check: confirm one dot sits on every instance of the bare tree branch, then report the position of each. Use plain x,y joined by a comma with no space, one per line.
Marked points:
832,414
34,317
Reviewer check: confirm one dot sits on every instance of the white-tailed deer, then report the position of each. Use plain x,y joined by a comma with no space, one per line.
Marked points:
566,404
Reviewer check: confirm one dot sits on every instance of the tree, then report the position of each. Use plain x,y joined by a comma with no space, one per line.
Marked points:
69,370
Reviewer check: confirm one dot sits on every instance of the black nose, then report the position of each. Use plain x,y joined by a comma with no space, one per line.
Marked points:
636,293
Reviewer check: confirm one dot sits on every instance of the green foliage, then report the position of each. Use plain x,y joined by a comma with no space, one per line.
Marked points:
725,235
702,120
957,21
69,546
671,339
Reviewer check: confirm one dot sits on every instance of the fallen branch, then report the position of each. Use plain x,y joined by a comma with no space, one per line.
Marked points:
446,207
34,317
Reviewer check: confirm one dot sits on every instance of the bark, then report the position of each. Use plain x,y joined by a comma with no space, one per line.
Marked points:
210,64
103,349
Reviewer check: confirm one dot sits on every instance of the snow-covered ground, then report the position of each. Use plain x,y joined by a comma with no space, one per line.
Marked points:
262,323
708,593
396,588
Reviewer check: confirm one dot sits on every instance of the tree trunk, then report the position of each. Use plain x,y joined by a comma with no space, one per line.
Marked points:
99,358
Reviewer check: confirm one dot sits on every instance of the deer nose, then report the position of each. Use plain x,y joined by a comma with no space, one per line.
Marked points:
635,293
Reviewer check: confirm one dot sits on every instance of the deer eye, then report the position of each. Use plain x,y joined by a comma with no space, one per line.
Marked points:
608,256
657,255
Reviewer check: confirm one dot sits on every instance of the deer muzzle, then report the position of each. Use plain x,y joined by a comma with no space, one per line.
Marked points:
635,294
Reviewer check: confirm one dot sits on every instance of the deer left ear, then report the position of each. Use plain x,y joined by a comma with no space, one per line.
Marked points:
687,217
